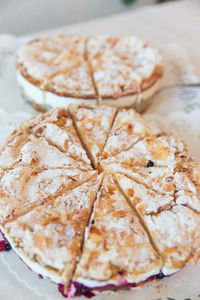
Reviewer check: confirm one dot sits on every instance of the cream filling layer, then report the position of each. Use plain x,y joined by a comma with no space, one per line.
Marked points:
93,283
133,100
40,270
44,98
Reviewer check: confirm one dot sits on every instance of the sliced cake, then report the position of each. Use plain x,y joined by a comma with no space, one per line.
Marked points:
159,179
114,244
64,68
59,131
128,128
93,124
137,221
160,151
23,188
125,70
49,238
53,71
146,201
176,234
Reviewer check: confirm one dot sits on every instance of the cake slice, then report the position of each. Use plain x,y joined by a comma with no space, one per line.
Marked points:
125,70
24,188
174,229
187,182
161,151
49,238
57,127
128,128
146,201
159,179
24,149
176,234
117,252
181,183
93,124
52,71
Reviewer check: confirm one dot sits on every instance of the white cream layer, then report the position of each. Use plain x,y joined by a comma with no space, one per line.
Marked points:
35,267
93,283
133,100
44,98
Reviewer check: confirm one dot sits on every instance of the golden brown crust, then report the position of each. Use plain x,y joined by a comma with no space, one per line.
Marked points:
93,125
145,85
114,243
51,234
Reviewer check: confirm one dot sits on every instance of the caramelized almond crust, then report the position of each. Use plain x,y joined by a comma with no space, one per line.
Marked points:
188,185
57,64
57,127
51,234
176,233
174,229
159,179
28,151
128,128
23,188
123,66
146,201
93,125
182,182
114,244
164,150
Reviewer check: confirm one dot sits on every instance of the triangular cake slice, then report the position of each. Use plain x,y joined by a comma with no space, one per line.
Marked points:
159,179
93,124
153,151
117,252
24,149
49,238
23,188
174,229
55,66
57,127
123,68
183,182
187,181
176,234
127,129
146,201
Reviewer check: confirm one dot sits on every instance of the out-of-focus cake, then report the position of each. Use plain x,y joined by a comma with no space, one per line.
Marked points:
63,68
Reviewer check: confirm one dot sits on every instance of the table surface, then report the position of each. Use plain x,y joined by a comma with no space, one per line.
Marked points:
172,22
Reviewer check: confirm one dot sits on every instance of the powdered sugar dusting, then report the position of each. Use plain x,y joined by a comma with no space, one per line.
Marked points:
176,235
93,124
127,129
57,64
115,241
47,236
120,65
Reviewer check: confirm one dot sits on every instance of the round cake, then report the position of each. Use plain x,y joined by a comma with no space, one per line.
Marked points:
62,69
96,199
